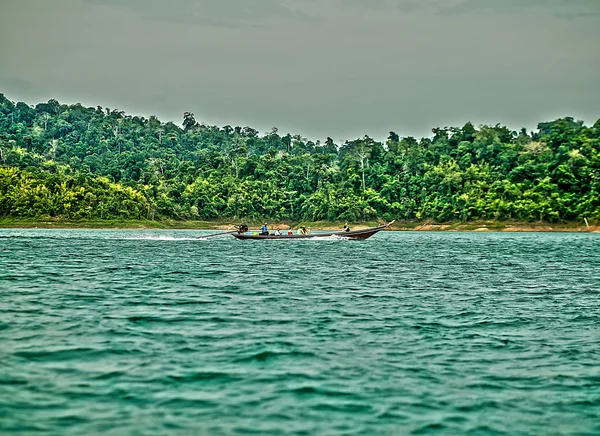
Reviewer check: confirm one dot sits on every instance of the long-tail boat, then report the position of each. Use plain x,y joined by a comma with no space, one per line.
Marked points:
350,234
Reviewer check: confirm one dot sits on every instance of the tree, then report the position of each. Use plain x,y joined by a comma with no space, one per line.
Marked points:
189,122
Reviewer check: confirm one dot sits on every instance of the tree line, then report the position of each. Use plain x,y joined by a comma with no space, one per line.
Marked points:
76,162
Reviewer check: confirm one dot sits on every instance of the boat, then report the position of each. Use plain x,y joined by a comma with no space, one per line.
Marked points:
352,234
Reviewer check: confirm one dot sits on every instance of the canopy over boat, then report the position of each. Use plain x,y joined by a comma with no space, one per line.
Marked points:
352,234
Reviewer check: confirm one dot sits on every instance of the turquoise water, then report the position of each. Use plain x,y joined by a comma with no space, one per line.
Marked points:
156,332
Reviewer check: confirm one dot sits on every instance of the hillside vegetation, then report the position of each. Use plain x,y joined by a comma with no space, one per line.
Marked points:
74,162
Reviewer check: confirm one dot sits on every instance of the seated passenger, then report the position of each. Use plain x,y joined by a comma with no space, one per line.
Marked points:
277,232
346,227
264,230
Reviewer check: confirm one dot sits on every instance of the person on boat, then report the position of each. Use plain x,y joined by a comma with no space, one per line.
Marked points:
277,232
242,228
264,230
346,227
302,231
290,232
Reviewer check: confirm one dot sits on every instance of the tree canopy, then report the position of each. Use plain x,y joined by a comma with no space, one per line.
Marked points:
76,162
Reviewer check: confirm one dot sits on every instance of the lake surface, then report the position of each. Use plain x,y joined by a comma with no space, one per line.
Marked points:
156,332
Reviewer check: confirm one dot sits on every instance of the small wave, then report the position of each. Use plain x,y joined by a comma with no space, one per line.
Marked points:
141,319
312,390
478,406
70,420
12,381
156,238
109,375
276,321
434,428
58,355
264,356
185,403
203,376
182,303
344,407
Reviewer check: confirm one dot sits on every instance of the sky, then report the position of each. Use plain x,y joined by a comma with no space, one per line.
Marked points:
318,68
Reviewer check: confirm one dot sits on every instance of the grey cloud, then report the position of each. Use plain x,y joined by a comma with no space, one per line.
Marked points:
20,86
365,67
228,13
370,4
408,6
572,15
559,8
400,5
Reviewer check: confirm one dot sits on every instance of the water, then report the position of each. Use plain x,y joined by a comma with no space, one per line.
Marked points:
156,332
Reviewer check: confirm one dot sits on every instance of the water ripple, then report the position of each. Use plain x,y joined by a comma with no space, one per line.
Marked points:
157,332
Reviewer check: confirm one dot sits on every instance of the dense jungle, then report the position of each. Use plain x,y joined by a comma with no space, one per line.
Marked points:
72,162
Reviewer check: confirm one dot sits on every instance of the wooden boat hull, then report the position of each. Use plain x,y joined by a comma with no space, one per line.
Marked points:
352,234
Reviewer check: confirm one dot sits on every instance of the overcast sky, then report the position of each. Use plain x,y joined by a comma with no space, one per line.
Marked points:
339,68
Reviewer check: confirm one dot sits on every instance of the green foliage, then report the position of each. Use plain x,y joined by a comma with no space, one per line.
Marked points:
75,162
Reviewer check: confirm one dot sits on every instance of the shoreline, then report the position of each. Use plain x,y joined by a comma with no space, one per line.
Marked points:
426,226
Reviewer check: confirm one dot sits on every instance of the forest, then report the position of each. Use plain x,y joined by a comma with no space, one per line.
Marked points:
73,162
